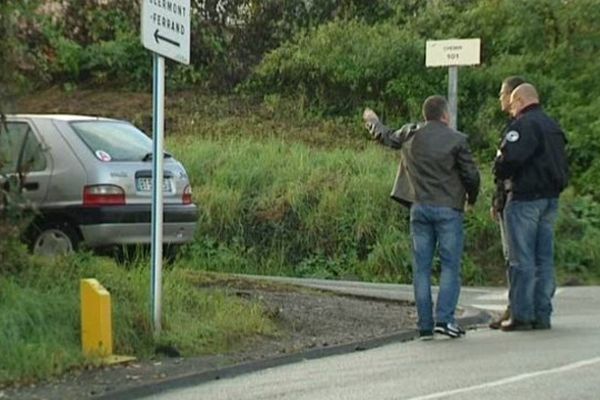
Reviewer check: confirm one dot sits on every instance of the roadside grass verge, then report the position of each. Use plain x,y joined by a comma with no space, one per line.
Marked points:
40,316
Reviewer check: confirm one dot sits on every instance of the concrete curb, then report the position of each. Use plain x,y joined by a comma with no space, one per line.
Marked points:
193,379
471,318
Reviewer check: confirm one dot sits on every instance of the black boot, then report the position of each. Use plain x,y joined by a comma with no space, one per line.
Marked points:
504,317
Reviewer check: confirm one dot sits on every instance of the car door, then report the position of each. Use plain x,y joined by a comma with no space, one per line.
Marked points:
24,160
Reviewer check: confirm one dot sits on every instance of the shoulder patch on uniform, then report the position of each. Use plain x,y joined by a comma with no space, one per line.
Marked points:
512,136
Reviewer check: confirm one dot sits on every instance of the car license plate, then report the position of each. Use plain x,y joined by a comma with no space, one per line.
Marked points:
144,184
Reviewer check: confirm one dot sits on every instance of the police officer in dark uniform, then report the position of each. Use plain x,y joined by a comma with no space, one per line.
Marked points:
533,157
503,186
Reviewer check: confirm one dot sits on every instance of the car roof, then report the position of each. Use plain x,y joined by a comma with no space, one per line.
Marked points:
62,117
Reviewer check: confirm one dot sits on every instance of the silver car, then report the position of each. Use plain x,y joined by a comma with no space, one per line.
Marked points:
90,180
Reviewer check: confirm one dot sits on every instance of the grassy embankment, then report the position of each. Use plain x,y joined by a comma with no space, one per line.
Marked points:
286,193
272,207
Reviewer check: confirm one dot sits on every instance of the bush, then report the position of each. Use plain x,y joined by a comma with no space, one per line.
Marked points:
344,64
14,54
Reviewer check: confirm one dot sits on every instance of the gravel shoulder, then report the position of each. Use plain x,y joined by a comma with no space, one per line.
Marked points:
310,321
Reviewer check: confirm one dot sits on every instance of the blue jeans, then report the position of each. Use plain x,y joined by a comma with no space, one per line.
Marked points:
432,226
530,233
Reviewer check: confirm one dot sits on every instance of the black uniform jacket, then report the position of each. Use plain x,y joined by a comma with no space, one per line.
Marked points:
533,156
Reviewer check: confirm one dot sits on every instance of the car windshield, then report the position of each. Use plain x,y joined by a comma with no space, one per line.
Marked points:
113,140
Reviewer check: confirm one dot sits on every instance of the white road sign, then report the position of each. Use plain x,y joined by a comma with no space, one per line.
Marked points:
166,28
454,52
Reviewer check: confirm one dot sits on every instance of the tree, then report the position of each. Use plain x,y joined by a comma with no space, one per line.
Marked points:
13,59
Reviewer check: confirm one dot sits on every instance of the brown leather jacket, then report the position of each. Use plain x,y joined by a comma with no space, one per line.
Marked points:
436,167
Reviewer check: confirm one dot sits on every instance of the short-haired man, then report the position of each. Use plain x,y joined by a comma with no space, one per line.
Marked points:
503,186
436,178
533,157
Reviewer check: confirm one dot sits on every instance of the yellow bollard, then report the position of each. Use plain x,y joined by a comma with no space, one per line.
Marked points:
96,319
96,322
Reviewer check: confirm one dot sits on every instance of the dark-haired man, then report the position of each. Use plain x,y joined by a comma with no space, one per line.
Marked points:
503,186
533,157
436,178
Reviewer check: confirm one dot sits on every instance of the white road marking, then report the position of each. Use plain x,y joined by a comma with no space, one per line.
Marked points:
490,307
503,296
494,296
512,379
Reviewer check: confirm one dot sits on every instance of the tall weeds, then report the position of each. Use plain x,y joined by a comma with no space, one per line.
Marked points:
270,206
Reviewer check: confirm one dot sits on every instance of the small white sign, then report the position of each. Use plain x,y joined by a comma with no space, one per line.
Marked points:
445,53
166,28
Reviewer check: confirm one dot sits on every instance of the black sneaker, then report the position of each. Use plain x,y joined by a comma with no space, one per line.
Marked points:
426,335
449,329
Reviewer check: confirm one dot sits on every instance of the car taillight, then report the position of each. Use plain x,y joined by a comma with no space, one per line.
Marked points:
103,195
187,195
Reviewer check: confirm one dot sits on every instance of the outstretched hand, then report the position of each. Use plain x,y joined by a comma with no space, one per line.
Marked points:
369,116
371,120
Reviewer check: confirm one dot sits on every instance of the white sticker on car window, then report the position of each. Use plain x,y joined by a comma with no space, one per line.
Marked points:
103,156
512,136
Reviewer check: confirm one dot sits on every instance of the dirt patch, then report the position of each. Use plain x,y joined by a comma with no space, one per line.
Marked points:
308,320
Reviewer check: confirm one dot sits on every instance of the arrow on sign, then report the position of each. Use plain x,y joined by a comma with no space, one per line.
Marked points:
158,36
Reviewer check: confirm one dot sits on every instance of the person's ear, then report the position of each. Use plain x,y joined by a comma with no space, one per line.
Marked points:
445,117
514,104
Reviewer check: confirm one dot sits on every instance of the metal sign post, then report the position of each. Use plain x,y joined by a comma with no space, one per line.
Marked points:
452,53
453,95
166,32
158,103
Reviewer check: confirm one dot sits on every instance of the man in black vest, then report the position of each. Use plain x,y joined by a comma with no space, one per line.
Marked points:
436,178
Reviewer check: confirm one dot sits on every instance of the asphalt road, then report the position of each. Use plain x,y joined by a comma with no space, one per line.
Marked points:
562,363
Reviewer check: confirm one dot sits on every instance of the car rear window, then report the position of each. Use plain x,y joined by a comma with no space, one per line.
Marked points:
113,140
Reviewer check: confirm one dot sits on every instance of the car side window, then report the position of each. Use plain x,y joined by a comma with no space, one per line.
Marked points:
20,149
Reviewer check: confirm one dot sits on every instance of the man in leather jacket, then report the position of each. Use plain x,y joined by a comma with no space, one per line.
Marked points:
436,178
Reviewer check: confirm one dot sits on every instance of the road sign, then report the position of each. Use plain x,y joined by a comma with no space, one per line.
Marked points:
453,52
165,32
166,28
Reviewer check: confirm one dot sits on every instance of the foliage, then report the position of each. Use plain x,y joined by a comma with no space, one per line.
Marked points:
344,65
577,232
97,42
93,42
232,36
14,57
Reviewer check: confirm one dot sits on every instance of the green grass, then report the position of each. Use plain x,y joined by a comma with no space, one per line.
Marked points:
277,205
40,316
